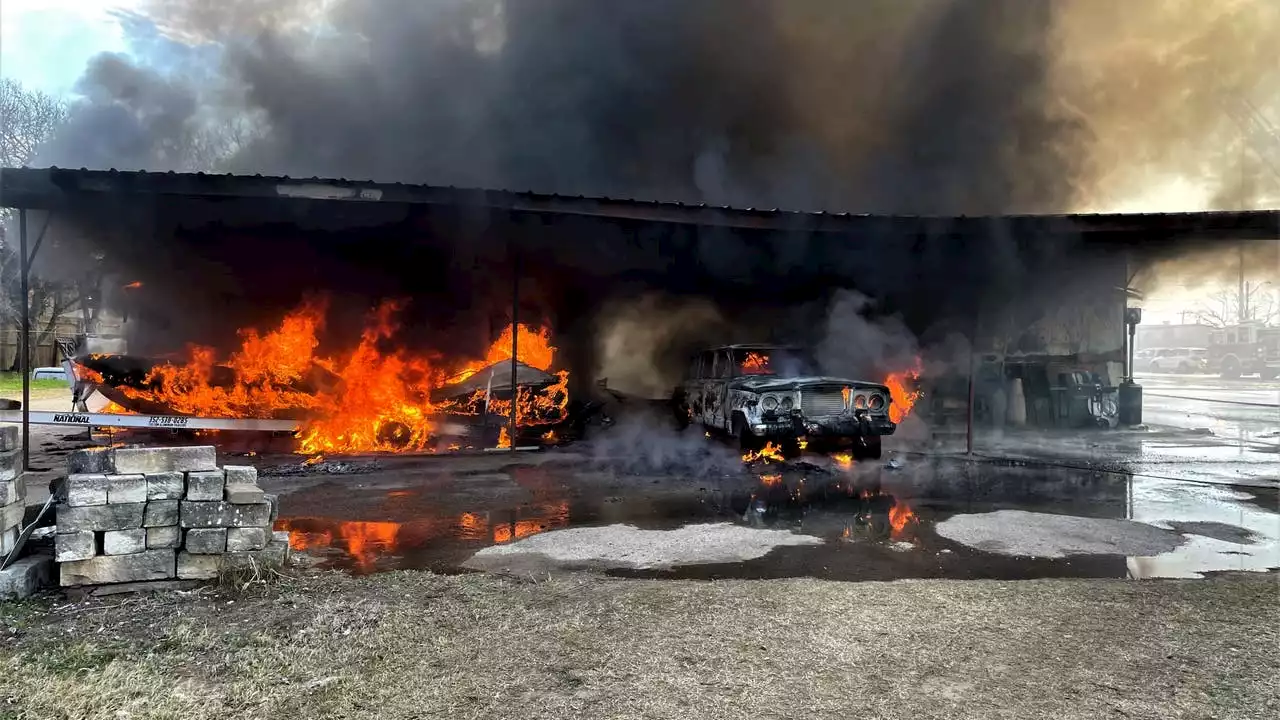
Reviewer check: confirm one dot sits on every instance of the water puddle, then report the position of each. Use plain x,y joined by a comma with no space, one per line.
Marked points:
874,523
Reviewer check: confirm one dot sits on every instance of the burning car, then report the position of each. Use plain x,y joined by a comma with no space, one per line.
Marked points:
762,393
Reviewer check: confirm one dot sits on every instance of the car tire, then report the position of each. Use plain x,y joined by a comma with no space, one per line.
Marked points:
1153,367
747,441
1231,368
867,448
1184,369
1269,373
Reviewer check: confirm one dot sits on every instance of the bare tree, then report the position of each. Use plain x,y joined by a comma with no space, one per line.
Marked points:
27,119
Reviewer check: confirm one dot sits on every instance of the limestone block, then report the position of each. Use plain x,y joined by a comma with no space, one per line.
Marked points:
223,514
243,494
151,460
205,485
99,517
241,474
169,536
24,577
240,539
206,541
160,512
91,461
10,437
74,546
147,565
126,489
86,489
124,542
166,485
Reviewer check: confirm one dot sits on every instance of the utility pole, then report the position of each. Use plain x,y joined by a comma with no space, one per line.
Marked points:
1243,302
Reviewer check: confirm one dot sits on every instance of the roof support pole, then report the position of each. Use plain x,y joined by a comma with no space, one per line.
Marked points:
515,334
24,343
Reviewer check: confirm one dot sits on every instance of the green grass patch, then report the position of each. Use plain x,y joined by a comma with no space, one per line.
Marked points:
11,386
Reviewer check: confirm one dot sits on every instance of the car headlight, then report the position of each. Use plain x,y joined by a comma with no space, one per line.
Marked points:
769,402
860,401
787,404
876,402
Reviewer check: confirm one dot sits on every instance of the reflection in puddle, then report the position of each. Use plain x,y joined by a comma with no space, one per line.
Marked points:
364,542
546,517
879,520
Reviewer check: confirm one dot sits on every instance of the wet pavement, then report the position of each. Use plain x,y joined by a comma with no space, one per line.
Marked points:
876,522
1207,467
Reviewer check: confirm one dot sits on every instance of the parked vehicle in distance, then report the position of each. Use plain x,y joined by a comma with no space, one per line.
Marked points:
49,373
763,393
1179,360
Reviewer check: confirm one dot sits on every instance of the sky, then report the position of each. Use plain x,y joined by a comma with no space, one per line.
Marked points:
45,44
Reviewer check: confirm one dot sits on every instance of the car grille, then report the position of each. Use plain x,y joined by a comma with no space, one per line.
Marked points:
818,403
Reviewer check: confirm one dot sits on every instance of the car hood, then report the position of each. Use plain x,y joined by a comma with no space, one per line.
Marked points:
767,383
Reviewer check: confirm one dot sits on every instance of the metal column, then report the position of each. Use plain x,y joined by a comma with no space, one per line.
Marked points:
515,334
24,344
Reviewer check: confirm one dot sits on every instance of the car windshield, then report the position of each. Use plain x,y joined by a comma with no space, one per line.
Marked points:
773,361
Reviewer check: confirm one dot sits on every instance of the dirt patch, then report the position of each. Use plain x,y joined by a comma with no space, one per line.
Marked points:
411,644
1034,534
1217,531
626,546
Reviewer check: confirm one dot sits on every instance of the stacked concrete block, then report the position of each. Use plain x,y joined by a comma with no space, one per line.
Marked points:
13,490
138,514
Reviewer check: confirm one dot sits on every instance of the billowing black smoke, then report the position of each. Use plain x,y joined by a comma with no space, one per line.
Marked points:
937,107
940,108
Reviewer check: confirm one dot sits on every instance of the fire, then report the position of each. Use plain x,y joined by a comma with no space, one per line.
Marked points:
844,460
900,516
770,480
902,391
755,364
504,440
133,285
769,452
550,437
111,408
371,399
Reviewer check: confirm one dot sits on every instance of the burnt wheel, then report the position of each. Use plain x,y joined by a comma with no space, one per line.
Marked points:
747,441
867,448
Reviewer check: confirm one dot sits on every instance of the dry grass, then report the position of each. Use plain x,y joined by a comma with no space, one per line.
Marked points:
411,645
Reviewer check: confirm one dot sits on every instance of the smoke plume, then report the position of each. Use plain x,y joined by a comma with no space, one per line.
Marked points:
914,106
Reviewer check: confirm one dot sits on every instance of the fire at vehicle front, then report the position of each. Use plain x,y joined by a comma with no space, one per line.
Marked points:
774,397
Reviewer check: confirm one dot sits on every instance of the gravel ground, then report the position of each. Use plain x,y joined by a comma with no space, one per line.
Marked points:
626,546
416,645
1031,534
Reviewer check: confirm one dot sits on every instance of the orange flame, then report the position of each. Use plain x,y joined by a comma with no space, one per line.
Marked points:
770,480
902,391
369,400
755,364
900,516
504,440
769,452
133,285
844,460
